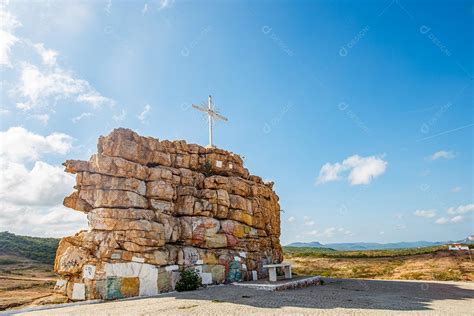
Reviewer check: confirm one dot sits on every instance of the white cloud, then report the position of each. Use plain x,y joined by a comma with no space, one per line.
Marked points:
37,88
291,219
164,4
362,170
425,213
55,221
456,219
95,99
42,118
81,116
442,220
461,209
47,55
145,9
8,24
446,220
381,232
309,223
18,144
44,84
442,154
108,7
400,227
330,232
144,114
120,116
44,184
330,172
30,197
456,189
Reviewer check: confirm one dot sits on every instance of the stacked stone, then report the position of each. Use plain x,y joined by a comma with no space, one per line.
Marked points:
155,206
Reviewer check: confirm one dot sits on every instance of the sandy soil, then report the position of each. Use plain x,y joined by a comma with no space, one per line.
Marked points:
21,284
336,297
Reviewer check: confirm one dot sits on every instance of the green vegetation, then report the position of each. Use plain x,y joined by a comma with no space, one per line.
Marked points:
34,248
331,253
189,280
8,261
206,168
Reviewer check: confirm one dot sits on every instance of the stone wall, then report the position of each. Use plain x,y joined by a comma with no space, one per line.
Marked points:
156,206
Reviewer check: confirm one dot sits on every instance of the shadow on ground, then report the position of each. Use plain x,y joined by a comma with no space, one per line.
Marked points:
341,293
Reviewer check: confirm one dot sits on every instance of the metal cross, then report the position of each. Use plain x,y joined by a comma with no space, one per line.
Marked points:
211,116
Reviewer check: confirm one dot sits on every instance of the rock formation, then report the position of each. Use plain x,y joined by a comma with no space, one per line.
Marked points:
157,206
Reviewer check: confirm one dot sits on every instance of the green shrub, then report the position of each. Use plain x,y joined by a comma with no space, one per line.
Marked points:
206,168
189,280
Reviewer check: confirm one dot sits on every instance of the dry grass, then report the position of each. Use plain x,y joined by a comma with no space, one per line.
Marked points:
420,264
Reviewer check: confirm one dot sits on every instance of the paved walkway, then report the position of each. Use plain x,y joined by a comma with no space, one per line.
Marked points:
336,297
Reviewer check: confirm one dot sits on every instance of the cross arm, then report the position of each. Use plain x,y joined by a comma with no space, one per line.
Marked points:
200,108
217,115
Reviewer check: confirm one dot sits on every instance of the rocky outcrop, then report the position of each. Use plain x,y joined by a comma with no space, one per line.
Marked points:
155,206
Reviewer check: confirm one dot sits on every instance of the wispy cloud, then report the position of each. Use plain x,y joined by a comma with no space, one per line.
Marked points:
47,55
41,88
40,85
119,117
362,170
330,232
8,24
42,118
461,209
81,116
442,154
425,213
456,214
145,9
291,219
165,4
144,114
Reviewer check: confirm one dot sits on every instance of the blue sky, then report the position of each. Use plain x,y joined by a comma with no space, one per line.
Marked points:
361,112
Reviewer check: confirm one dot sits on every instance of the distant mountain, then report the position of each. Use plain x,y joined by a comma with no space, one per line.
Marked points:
369,245
33,248
314,244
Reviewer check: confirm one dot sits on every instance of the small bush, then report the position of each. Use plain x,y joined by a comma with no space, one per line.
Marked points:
206,168
189,280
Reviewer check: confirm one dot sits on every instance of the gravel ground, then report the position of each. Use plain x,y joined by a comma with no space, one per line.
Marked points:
336,297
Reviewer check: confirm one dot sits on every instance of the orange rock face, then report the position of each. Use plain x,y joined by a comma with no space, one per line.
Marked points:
156,206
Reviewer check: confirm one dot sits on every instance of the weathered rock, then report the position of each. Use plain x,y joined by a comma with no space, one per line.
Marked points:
157,206
160,190
93,181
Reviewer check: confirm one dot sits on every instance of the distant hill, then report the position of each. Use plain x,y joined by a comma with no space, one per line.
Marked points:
34,248
314,244
368,245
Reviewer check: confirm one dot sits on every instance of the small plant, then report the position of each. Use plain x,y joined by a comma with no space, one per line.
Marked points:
206,168
189,280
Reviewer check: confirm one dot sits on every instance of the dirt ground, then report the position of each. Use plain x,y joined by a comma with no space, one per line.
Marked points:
439,266
336,297
24,282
